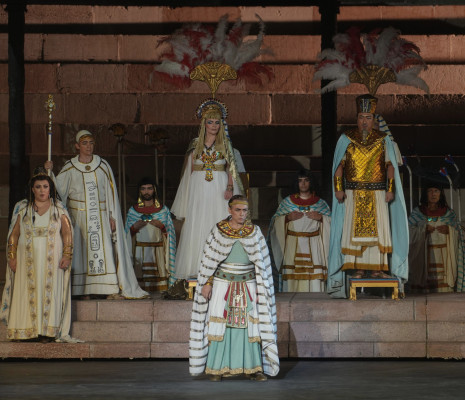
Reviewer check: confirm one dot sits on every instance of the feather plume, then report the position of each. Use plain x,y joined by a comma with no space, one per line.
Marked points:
195,44
383,48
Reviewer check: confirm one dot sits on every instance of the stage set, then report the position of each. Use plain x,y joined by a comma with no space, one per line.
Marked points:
309,326
98,59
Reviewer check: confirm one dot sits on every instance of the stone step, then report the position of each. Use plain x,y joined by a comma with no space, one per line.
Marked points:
310,325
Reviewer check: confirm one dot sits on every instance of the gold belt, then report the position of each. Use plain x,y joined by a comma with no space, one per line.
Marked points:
303,234
201,167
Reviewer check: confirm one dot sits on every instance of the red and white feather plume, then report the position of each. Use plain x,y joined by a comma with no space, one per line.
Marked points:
195,44
354,51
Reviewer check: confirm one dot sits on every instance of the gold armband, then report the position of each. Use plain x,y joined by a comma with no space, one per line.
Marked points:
12,248
68,250
209,282
338,184
391,185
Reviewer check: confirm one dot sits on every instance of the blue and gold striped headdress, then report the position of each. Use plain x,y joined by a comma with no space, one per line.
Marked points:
366,104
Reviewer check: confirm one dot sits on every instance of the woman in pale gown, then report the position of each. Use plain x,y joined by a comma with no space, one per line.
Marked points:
210,178
36,300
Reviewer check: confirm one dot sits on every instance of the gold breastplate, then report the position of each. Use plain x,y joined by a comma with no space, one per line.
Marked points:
365,159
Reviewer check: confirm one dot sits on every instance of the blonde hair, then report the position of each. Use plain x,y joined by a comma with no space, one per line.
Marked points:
220,137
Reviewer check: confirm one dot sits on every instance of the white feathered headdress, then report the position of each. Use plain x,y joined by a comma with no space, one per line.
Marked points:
198,44
371,59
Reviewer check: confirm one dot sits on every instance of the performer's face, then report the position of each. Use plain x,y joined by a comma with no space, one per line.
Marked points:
304,185
365,122
147,192
434,194
212,126
86,147
238,213
41,190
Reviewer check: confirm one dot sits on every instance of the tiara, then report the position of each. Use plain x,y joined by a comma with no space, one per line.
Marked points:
210,105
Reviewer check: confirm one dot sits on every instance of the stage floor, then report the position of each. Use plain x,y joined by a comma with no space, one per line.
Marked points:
322,380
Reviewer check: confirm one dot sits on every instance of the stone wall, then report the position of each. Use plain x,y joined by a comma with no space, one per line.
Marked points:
98,62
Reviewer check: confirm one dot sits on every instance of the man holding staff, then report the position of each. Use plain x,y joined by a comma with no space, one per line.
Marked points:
102,263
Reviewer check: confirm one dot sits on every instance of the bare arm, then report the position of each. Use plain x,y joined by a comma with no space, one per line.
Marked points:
390,175
13,246
340,194
67,239
230,188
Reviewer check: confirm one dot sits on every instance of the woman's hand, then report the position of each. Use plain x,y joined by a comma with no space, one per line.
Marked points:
12,264
65,262
228,194
112,224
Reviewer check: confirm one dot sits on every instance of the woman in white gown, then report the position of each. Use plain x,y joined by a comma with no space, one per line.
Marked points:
37,299
210,178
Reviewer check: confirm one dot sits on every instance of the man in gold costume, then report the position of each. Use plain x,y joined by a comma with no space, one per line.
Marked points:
368,206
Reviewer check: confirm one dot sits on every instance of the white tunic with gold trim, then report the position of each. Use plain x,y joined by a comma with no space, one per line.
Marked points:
37,298
99,265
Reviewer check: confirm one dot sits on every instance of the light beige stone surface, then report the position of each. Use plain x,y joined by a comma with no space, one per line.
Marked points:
120,350
313,331
330,349
400,349
112,331
125,310
382,331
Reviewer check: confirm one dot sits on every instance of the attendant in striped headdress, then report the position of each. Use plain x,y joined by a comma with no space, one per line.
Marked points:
151,236
299,238
436,244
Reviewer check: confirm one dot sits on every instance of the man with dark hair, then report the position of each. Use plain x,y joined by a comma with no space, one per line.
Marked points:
151,236
368,204
299,238
233,324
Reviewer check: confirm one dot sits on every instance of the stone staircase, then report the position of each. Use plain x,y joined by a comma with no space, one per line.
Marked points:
309,326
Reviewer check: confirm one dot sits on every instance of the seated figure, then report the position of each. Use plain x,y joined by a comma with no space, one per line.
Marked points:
436,244
299,238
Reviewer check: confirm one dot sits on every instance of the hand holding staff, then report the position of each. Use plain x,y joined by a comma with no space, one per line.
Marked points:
50,107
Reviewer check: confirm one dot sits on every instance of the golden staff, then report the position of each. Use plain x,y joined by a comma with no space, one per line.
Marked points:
50,106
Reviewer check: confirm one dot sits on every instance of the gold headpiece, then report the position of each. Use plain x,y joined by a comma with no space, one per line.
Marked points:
212,106
213,73
39,171
239,201
366,104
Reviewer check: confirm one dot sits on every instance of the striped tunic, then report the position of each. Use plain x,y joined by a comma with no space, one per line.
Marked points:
216,249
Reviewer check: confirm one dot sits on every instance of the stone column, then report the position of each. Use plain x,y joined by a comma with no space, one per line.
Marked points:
19,168
328,10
